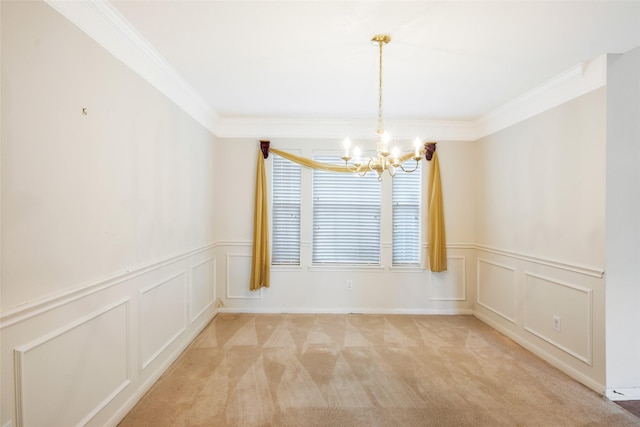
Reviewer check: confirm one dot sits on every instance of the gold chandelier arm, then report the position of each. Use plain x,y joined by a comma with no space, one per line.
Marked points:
410,170
362,170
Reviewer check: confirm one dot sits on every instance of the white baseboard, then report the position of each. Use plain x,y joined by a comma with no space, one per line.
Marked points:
623,393
463,311
547,357
119,415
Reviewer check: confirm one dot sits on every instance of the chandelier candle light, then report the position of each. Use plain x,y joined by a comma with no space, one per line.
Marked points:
385,160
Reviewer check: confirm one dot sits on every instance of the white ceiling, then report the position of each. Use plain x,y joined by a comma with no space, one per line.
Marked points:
313,59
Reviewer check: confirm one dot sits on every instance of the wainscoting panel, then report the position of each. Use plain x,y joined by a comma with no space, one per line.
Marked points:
162,316
561,314
239,277
497,288
86,356
450,285
66,377
203,287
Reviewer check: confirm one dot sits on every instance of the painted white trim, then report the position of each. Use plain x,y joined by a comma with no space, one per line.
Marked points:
458,246
157,373
406,268
235,243
214,292
575,268
346,267
515,296
267,128
228,279
588,358
564,367
574,82
21,351
50,302
142,364
298,310
104,24
623,393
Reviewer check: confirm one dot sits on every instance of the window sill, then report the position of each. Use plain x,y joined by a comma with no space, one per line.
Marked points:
338,267
284,267
406,269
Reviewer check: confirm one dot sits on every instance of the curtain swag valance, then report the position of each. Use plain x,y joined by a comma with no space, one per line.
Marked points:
261,257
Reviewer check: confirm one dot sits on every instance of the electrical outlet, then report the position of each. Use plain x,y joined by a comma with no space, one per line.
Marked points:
556,322
349,284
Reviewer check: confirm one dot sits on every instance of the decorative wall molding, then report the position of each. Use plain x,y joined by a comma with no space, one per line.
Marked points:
554,361
230,294
239,243
109,28
458,246
155,374
170,338
487,305
265,128
104,24
575,268
51,302
574,82
194,316
21,353
586,358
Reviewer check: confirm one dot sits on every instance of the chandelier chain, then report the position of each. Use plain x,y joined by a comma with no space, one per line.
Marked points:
387,159
380,125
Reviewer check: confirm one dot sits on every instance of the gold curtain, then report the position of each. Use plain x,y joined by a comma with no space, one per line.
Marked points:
261,259
437,240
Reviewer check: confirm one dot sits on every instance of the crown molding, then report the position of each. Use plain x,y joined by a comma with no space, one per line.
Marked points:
104,24
576,81
267,128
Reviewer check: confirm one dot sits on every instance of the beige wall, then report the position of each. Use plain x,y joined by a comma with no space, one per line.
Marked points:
541,184
87,196
107,226
377,289
540,230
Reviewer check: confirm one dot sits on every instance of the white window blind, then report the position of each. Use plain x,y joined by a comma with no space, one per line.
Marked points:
346,217
406,197
285,210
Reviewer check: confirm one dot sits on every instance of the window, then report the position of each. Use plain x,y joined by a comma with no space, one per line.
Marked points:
285,212
406,218
346,217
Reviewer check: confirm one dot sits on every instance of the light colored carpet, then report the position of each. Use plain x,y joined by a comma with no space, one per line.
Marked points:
365,370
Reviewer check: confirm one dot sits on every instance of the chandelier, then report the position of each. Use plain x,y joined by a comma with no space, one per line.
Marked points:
387,159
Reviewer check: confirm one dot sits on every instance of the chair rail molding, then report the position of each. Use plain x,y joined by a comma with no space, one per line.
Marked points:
50,302
549,262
